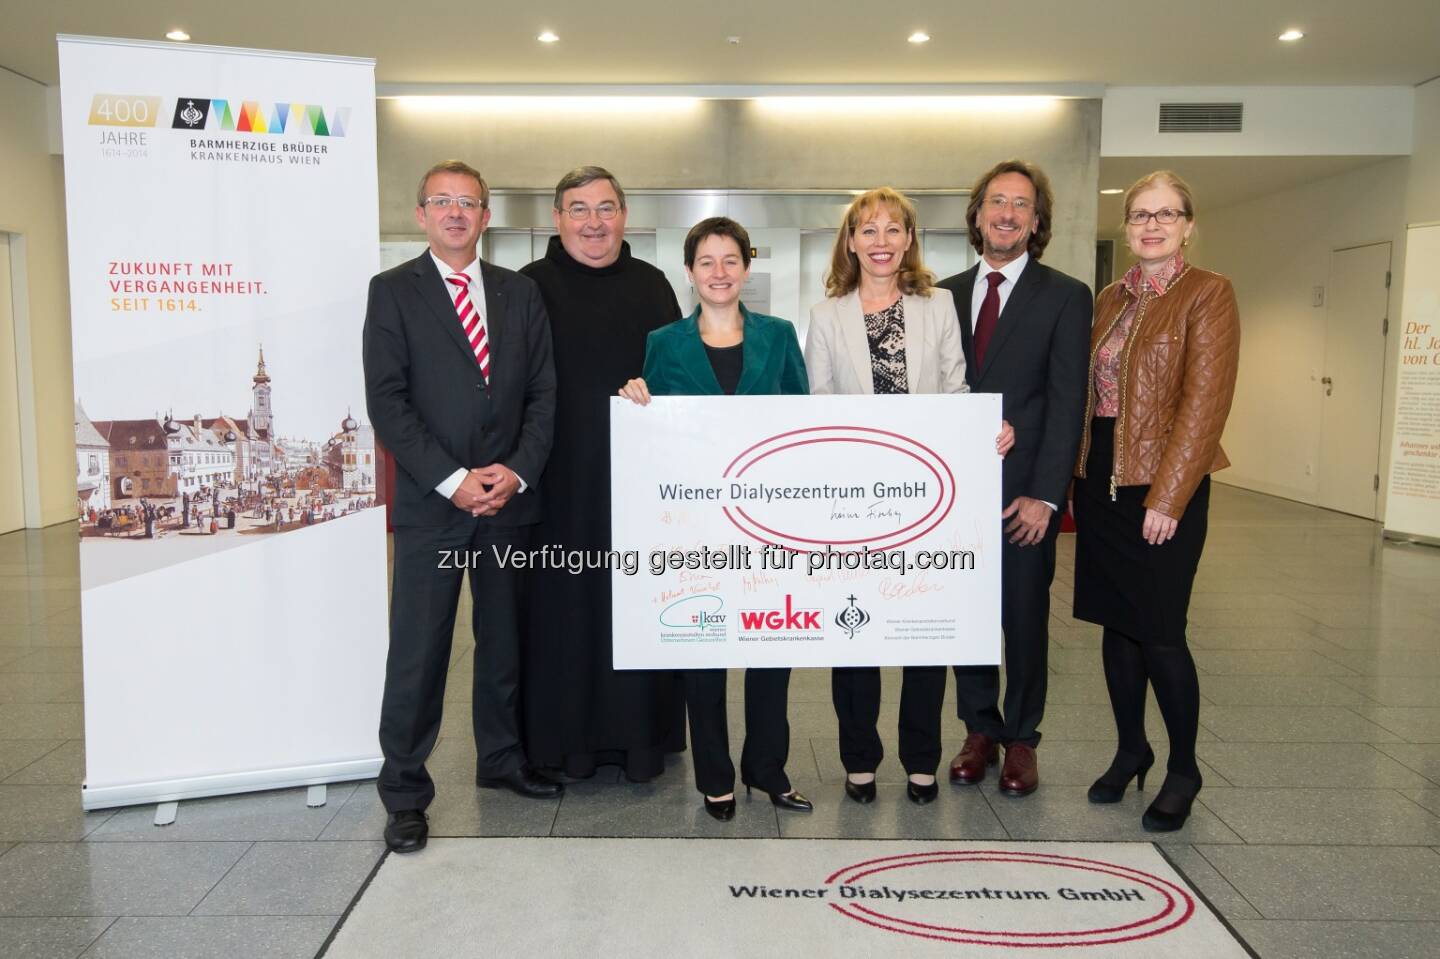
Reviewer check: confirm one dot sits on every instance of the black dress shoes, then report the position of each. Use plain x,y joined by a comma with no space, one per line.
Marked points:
721,809
1172,807
862,793
526,782
407,831
921,794
791,800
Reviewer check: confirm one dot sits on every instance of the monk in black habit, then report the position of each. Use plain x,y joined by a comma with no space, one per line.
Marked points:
579,712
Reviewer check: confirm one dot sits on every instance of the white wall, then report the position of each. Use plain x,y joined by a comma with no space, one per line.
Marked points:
1279,121
1423,195
32,204
1275,251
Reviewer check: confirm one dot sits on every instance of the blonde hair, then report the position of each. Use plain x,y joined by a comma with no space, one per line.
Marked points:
844,273
1161,178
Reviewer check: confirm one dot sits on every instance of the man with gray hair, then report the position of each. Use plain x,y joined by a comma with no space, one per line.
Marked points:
460,387
602,303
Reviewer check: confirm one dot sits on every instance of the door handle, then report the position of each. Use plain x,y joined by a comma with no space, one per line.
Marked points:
1329,385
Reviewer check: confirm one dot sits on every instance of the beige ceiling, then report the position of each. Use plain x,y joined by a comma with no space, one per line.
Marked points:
1221,42
1219,182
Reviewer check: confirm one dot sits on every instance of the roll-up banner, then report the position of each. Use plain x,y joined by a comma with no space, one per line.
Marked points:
223,223
1412,508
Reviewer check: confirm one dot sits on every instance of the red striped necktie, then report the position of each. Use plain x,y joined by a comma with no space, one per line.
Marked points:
470,322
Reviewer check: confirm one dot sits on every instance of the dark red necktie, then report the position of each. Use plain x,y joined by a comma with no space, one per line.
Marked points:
989,316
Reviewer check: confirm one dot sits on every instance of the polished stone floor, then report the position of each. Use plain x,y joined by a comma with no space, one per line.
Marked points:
1317,833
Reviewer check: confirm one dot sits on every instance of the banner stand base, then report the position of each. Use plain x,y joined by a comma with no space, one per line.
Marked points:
138,794
1395,536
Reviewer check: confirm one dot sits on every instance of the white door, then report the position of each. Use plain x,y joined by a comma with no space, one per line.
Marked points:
1354,379
12,496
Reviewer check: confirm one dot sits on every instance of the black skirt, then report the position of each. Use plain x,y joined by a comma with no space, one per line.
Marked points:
1121,581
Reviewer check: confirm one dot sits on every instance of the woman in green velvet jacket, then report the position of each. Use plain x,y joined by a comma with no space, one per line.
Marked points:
723,348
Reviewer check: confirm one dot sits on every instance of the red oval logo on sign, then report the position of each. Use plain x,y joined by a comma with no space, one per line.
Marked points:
1165,905
906,492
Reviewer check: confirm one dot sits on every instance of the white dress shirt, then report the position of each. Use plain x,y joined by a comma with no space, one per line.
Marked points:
451,483
1011,271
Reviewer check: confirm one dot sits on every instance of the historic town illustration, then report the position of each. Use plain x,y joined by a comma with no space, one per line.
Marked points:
218,476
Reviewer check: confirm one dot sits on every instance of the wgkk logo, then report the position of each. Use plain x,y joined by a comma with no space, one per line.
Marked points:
777,620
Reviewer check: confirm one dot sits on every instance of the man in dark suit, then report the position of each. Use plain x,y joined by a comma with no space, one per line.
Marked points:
460,384
1026,333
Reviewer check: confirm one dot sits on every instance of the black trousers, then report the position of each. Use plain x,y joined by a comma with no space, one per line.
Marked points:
767,730
1026,573
856,693
429,566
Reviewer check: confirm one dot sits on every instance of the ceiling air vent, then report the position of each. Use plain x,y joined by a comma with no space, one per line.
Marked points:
1201,117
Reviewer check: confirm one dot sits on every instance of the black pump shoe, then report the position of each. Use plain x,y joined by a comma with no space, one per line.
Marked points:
1172,806
863,793
921,795
721,809
1110,788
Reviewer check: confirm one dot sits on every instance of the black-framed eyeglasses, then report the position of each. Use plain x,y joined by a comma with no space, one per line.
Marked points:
582,211
463,202
1166,216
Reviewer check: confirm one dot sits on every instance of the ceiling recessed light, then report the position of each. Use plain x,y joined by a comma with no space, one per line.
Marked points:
548,37
179,36
1111,191
919,36
1290,36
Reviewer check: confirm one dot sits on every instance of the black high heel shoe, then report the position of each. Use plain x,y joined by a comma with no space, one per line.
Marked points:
1172,806
791,800
919,794
1110,788
721,809
863,793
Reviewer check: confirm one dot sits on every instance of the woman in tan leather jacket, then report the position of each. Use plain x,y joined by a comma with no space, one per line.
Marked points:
1163,356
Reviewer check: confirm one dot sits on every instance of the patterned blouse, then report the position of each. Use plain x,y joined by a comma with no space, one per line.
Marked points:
1107,358
886,332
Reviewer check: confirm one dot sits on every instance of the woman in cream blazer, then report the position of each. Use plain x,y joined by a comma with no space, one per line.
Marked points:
837,349
881,330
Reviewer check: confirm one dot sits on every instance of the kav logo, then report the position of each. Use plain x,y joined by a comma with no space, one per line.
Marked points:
852,618
789,618
694,612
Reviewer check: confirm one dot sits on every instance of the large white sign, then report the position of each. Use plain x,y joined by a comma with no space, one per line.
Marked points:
805,531
221,209
1412,508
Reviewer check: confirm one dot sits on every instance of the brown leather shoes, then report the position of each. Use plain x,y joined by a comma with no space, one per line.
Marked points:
1020,775
968,766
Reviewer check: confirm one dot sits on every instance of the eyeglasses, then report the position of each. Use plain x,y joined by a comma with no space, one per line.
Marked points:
581,211
1166,216
1019,204
463,202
